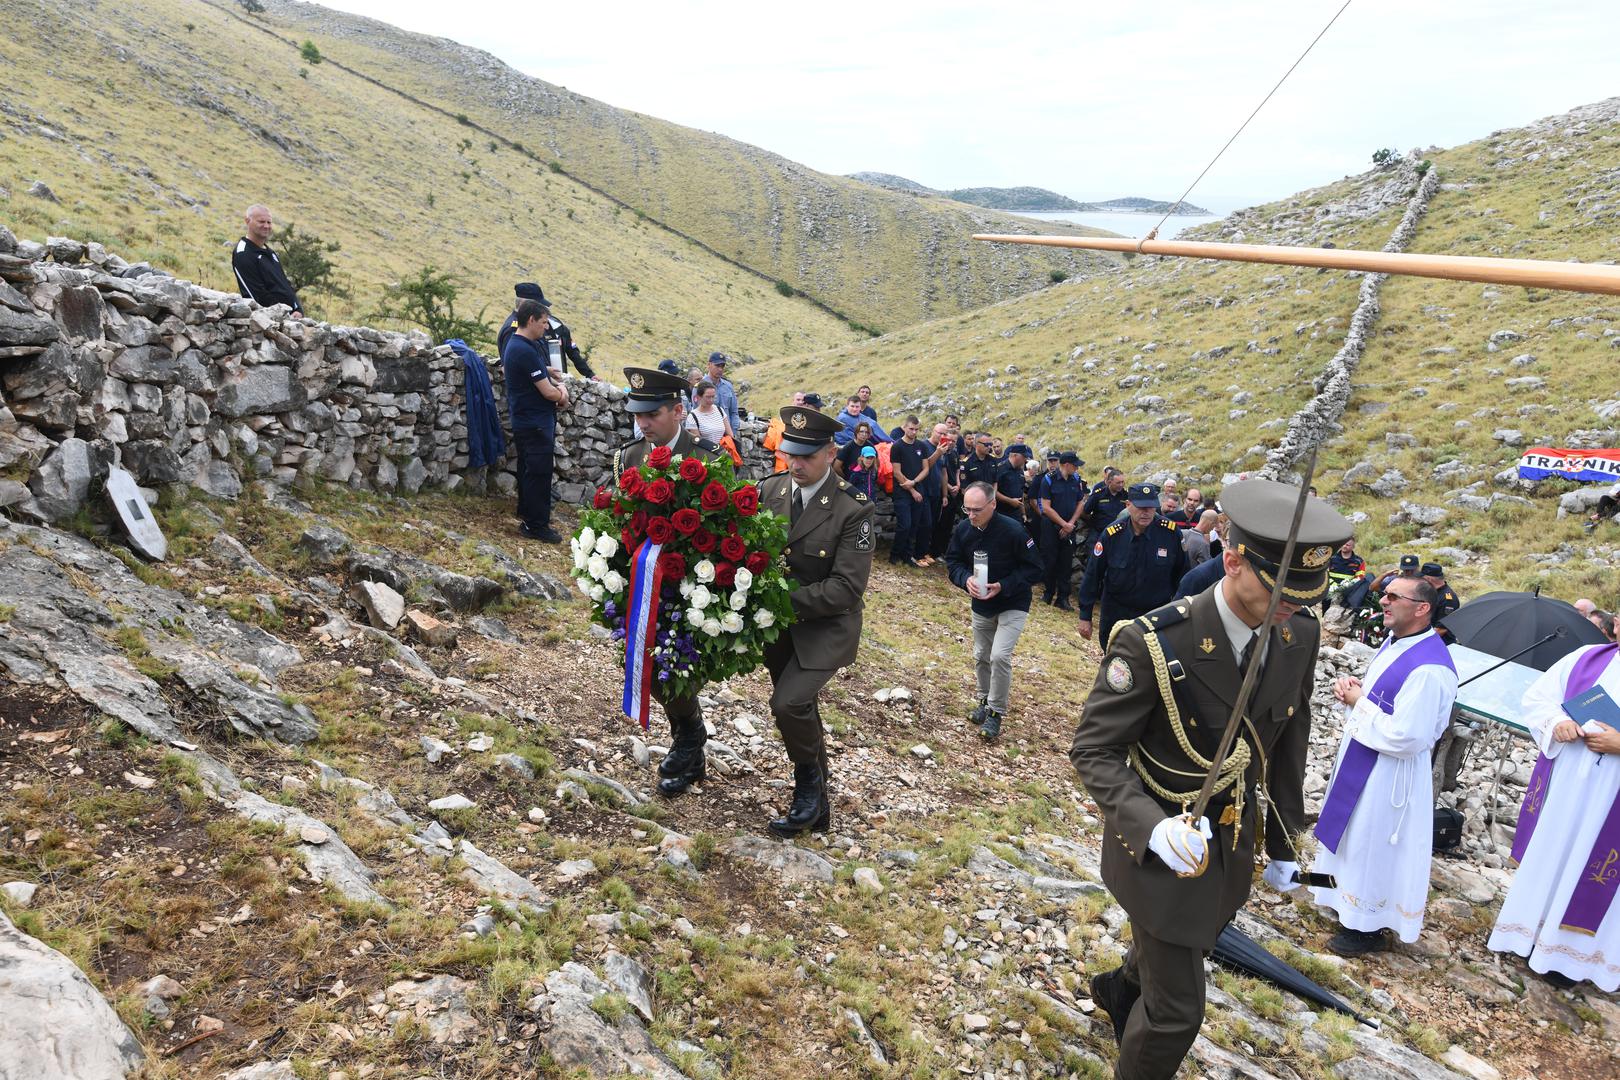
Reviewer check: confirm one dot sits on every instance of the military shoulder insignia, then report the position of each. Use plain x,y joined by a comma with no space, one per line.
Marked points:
1287,635
1317,557
1118,676
1097,549
863,537
1115,527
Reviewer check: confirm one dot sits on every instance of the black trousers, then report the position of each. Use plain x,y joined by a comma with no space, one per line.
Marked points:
535,452
945,519
1165,1020
1058,555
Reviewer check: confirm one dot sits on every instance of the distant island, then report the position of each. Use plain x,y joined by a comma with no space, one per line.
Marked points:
1031,199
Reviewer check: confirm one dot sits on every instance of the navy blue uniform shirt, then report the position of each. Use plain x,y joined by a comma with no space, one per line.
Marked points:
1103,506
976,469
1010,482
1200,577
522,362
1014,562
1061,494
1134,573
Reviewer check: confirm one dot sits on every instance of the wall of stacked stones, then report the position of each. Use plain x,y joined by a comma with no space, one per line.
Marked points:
104,364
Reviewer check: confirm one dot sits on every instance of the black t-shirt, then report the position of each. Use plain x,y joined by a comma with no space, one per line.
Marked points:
907,458
850,453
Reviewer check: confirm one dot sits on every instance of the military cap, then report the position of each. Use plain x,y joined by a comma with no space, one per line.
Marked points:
805,430
528,290
651,389
719,358
1409,564
1069,457
1433,569
1143,495
669,367
1259,514
1053,455
813,400
1017,448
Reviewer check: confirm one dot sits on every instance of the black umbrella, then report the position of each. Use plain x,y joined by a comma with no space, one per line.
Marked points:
1535,630
1238,951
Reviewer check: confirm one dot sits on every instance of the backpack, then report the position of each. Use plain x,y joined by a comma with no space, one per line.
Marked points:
885,469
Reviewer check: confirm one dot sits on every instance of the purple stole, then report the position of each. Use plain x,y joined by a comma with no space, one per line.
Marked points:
1595,890
1357,764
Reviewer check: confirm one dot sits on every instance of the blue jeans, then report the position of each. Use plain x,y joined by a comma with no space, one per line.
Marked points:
913,527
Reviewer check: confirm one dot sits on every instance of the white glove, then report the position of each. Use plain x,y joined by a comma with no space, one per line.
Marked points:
1182,847
1280,875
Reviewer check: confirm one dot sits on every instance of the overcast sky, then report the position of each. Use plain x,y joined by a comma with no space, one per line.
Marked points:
1129,100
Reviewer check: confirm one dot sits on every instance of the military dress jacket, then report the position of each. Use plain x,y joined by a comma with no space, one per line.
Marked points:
829,556
634,454
1167,685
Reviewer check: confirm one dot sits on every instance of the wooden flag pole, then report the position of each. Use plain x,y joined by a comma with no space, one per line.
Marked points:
1530,273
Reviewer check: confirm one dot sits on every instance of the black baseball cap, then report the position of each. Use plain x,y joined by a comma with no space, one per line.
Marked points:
1069,457
528,290
1432,569
1260,512
813,400
1018,448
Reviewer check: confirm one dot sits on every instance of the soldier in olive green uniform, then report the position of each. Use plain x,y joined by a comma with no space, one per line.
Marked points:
655,402
829,556
1148,732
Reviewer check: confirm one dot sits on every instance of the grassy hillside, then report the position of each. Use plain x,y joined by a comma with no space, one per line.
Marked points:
174,116
884,259
1194,367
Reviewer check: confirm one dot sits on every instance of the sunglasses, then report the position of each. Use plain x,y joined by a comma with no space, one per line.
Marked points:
1402,596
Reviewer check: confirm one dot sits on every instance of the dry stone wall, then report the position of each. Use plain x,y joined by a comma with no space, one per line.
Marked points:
105,364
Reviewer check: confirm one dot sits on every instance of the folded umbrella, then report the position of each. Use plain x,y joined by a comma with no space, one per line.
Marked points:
1239,951
1536,631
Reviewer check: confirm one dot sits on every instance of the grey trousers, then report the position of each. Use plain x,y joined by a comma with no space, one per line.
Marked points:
993,639
1166,1018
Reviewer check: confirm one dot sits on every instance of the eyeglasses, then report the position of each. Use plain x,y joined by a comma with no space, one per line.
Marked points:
1400,596
981,508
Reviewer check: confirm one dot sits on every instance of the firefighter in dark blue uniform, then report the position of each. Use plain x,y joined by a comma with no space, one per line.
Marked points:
1010,483
1060,496
1135,565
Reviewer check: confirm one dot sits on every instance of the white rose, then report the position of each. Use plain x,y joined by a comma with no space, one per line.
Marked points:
704,570
597,593
597,567
613,581
585,586
738,601
701,597
711,627
745,580
606,546
579,559
763,618
694,616
732,623
686,587
587,538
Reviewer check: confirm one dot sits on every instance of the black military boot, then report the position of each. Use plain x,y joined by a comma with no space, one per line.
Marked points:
686,763
1116,996
810,809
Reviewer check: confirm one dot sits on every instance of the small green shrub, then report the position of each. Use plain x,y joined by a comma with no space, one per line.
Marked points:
784,288
310,53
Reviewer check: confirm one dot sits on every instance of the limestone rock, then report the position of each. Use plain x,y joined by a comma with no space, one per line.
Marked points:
576,1037
632,979
457,801
58,1026
796,865
440,1004
323,543
384,607
268,388
19,893
264,1070
495,878
62,482
516,765
430,631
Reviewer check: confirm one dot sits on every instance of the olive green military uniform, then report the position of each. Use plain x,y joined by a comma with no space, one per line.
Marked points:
829,556
634,454
1148,732
1132,751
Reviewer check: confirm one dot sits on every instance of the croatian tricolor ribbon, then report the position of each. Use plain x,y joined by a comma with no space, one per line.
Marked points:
641,631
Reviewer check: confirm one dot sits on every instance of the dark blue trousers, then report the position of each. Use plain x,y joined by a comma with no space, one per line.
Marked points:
535,448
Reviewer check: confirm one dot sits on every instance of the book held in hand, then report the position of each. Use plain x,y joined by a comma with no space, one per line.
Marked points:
1593,705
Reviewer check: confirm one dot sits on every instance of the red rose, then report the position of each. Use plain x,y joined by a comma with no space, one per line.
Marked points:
746,500
714,496
703,541
660,491
694,471
686,520
618,507
757,562
733,548
629,539
725,574
731,528
672,564
631,483
659,530
638,522
603,499
659,457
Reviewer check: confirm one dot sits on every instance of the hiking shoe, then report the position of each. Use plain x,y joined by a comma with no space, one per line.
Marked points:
547,535
976,716
1348,942
991,726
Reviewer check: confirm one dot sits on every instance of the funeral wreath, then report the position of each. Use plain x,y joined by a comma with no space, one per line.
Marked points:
680,561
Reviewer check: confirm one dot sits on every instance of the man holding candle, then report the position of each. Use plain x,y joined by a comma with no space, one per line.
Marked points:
993,559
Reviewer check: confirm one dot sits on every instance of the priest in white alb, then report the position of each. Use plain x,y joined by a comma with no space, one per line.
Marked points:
1561,911
1376,828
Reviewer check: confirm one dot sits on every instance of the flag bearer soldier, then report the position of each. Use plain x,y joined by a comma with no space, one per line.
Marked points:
1146,737
656,403
829,556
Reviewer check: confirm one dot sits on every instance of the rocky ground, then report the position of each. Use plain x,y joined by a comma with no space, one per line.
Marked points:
340,790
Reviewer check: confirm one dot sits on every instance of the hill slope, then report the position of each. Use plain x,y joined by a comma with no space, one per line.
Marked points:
883,259
1195,367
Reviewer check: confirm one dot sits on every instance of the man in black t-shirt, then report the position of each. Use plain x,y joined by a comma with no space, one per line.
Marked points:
913,513
532,396
259,276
